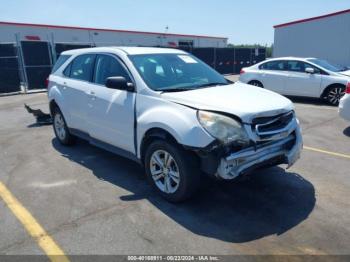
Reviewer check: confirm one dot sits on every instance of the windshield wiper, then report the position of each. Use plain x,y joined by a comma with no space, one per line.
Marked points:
212,84
180,89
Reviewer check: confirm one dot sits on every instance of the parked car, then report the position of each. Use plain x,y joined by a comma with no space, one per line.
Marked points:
172,113
292,76
344,105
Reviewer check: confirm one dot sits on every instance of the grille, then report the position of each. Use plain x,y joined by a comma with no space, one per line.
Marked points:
270,127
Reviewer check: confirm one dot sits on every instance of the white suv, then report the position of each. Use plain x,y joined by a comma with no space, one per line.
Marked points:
294,76
172,113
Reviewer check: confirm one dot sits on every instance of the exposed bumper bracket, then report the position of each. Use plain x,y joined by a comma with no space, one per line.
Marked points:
236,163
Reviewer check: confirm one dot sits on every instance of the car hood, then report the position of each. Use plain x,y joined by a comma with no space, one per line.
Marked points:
242,100
345,73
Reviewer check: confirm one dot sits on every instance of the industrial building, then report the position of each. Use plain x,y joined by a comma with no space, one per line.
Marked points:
28,51
326,37
102,37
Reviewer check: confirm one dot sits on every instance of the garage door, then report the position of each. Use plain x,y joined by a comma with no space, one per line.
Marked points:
9,69
37,63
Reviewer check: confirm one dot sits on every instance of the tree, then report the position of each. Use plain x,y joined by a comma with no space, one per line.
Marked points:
269,49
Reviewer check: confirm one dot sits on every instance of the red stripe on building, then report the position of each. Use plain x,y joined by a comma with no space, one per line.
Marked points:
32,37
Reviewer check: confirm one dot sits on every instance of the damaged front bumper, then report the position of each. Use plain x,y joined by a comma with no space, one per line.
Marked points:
284,149
269,148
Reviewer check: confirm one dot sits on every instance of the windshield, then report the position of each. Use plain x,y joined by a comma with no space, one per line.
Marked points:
175,72
327,65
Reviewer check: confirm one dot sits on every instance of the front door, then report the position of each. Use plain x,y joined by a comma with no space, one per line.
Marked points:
299,82
111,111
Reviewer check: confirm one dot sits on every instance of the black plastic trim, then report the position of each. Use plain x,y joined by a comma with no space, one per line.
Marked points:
103,145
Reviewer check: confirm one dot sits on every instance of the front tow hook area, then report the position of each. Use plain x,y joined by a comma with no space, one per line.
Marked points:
238,162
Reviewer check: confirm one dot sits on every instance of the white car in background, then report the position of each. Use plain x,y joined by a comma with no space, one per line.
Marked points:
344,104
292,76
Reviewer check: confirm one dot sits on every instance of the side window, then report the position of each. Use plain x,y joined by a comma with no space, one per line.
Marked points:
273,65
108,66
299,66
296,66
82,67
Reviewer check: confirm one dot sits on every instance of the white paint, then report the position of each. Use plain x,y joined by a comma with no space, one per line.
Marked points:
344,107
293,83
238,99
112,119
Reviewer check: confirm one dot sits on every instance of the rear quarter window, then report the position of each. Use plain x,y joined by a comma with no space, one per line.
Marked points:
60,61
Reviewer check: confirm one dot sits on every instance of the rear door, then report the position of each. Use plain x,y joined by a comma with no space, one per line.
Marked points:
274,75
111,111
75,87
301,83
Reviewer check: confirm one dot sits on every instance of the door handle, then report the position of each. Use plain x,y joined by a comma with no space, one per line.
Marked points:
92,95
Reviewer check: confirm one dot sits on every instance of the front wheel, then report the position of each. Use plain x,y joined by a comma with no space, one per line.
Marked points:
172,171
334,95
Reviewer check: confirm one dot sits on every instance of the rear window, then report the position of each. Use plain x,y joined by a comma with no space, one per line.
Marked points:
60,61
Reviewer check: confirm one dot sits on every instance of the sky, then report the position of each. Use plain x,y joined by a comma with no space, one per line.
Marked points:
243,22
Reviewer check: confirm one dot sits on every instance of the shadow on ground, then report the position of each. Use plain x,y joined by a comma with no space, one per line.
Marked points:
269,201
38,125
309,100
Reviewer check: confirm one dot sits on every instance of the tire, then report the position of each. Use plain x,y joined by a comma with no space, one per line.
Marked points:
181,172
256,83
60,128
334,94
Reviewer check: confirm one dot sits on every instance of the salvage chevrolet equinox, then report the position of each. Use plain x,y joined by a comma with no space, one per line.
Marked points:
169,111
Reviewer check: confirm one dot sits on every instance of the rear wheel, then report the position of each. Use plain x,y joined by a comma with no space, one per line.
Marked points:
255,83
60,128
334,94
172,171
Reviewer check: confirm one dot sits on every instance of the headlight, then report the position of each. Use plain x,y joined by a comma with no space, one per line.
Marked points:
224,128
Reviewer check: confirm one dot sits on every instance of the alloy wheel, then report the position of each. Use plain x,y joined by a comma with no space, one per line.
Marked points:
165,172
335,94
59,126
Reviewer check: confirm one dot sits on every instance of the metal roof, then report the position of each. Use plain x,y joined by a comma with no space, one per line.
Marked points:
106,30
312,18
127,49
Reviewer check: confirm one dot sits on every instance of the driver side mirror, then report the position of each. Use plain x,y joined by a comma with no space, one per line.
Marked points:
120,83
309,70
